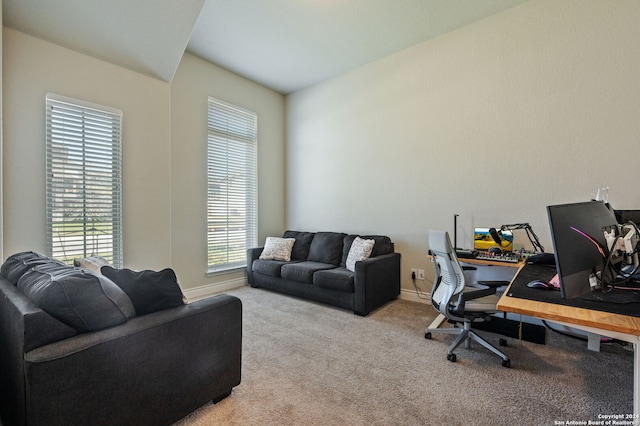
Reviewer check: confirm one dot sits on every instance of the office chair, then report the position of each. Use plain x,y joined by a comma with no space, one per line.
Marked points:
460,304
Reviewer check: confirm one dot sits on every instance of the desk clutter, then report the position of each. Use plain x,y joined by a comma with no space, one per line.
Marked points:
628,303
509,257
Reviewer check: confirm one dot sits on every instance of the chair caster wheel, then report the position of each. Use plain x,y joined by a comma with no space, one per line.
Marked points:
427,335
503,342
451,357
506,363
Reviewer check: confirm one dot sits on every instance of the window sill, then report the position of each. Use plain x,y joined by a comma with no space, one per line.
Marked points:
225,271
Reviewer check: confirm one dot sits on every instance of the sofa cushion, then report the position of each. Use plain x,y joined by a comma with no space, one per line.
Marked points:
339,279
301,247
16,265
268,267
326,247
80,298
276,248
150,291
303,271
360,250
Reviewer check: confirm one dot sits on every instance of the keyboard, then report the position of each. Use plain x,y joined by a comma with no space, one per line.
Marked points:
504,257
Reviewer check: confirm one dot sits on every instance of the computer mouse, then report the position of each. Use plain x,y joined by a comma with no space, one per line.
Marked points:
540,284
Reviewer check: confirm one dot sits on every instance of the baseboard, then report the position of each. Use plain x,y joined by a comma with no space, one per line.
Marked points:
413,296
207,290
211,289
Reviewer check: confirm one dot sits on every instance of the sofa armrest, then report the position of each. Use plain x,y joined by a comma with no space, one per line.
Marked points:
252,254
154,369
377,281
23,327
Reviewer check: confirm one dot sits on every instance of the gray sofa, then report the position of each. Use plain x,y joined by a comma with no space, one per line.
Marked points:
105,365
317,271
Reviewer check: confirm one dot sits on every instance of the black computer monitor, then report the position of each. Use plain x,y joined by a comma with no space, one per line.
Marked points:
624,216
579,244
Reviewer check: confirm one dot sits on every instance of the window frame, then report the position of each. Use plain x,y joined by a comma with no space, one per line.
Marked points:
83,165
231,130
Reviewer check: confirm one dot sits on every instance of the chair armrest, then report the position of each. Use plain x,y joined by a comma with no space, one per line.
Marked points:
151,362
476,294
465,296
377,281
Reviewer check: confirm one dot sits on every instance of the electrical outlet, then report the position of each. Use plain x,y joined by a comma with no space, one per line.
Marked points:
421,274
414,273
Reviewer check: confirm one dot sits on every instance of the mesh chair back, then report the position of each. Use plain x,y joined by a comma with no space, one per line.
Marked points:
449,279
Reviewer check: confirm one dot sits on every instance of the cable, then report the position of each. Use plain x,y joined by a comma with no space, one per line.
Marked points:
607,287
421,294
533,238
629,275
618,272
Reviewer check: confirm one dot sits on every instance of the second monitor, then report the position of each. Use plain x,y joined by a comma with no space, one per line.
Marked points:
580,247
489,239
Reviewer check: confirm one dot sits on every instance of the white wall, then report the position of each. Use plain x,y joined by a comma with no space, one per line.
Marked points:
33,67
194,81
537,105
1,161
164,152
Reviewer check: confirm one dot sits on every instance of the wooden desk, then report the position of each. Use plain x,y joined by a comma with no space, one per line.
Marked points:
614,324
622,327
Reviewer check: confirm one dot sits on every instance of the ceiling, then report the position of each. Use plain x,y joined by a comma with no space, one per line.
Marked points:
285,45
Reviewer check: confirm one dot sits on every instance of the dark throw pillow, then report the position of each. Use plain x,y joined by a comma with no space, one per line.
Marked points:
149,291
326,247
301,247
16,265
81,299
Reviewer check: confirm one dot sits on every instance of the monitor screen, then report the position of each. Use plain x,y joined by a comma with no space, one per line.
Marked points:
624,216
579,244
486,238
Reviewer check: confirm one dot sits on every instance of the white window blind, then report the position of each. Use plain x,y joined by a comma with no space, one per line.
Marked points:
231,185
84,180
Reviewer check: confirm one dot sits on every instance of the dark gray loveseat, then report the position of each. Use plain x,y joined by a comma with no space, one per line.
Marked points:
151,369
317,271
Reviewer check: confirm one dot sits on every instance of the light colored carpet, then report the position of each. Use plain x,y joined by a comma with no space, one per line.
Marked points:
310,364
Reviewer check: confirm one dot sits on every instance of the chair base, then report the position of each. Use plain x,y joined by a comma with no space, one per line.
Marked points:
466,335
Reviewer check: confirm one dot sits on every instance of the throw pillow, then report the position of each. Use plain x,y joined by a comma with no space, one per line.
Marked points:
276,248
300,250
149,291
93,263
16,265
360,250
79,298
326,247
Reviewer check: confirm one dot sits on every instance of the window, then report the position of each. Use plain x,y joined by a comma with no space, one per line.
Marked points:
84,180
231,185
